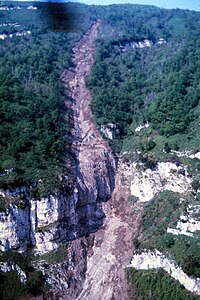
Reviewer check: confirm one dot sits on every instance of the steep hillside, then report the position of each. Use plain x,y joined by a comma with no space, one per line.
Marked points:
146,71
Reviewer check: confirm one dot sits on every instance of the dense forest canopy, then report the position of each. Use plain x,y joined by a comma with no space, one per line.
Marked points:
156,84
34,131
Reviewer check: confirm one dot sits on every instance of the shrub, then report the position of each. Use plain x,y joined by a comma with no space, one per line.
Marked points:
2,204
196,184
156,285
150,145
133,199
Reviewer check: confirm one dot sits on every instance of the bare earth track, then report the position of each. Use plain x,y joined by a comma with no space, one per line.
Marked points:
112,248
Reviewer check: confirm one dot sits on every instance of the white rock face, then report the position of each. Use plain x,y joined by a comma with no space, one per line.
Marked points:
32,7
51,221
14,225
140,127
187,154
47,211
147,183
110,130
155,259
143,44
37,223
45,241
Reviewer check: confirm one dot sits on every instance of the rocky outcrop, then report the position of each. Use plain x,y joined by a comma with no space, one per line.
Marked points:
188,154
66,277
7,267
110,131
3,36
155,260
145,183
140,127
188,223
142,44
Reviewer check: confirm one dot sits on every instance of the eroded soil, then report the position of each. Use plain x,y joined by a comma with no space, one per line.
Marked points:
111,249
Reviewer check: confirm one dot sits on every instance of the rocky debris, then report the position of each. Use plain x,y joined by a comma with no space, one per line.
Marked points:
112,248
66,278
94,170
156,260
94,161
51,221
60,217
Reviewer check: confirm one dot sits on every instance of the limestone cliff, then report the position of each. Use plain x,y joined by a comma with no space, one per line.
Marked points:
145,183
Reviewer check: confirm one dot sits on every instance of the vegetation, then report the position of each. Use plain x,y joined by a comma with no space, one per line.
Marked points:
34,129
162,212
156,285
157,84
55,256
11,286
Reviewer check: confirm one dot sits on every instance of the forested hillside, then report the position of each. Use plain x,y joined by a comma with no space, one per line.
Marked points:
156,83
34,129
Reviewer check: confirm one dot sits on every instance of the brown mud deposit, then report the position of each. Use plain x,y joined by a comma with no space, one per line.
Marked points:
110,248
